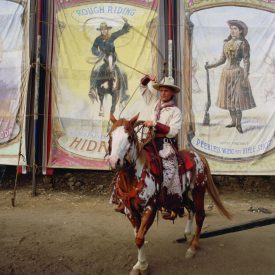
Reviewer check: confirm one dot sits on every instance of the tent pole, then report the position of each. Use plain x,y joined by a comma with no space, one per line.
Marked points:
170,38
36,95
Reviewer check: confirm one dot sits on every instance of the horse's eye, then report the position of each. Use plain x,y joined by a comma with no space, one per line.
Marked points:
129,138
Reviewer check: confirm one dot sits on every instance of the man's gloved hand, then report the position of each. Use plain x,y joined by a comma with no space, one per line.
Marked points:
147,78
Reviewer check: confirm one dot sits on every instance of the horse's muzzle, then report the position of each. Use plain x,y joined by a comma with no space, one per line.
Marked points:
114,162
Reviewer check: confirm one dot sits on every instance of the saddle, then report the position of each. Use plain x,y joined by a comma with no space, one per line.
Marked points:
154,163
185,161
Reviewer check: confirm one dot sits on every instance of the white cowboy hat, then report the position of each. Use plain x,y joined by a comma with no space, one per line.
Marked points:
167,82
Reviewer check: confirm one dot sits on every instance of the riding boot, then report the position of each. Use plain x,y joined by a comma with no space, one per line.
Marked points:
233,118
239,118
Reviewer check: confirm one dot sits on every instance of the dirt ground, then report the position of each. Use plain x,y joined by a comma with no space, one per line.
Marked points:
70,228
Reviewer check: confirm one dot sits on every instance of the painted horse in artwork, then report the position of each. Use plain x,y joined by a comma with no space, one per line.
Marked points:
108,79
138,188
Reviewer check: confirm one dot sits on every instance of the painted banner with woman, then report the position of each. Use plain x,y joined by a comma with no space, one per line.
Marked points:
101,49
14,72
233,94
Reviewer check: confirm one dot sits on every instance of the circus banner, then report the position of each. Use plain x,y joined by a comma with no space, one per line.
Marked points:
14,71
233,85
101,49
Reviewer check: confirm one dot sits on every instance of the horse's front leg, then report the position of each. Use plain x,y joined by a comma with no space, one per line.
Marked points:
198,196
189,224
148,216
142,266
114,100
101,98
189,205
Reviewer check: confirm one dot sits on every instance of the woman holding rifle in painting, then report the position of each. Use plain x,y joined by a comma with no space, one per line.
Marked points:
235,92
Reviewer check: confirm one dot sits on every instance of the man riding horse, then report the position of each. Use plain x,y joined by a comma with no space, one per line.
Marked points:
103,45
166,121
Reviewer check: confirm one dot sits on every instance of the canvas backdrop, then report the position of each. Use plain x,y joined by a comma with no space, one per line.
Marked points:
231,152
14,73
78,130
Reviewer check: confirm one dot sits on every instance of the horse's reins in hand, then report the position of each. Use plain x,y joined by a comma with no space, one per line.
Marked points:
151,131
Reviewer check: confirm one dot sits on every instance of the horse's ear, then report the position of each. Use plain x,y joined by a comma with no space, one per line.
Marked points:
134,119
112,118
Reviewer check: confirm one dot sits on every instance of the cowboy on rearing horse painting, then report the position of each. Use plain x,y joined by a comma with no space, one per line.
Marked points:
153,175
107,77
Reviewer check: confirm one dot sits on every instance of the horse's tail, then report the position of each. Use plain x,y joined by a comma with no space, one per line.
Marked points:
213,191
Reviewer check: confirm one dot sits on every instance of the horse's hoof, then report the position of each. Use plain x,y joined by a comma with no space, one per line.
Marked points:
140,271
135,272
190,253
145,271
189,237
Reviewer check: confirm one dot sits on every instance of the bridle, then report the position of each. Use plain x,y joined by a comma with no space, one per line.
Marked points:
132,138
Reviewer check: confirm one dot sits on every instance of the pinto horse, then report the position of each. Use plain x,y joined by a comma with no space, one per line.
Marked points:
137,187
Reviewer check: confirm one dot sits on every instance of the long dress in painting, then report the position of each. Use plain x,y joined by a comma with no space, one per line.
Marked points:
234,93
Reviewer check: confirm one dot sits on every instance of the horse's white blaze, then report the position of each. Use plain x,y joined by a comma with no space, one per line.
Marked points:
120,146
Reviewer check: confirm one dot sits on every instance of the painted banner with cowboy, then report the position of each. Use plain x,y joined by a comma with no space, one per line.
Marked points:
233,88
14,71
101,49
